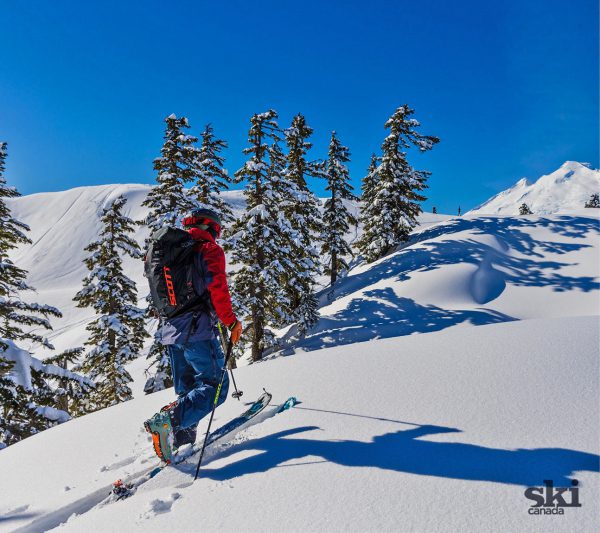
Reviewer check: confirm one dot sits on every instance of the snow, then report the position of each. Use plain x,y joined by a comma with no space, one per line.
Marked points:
567,188
51,413
24,362
437,432
464,272
20,373
440,382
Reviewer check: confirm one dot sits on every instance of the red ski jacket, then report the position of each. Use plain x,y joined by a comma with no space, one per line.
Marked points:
213,257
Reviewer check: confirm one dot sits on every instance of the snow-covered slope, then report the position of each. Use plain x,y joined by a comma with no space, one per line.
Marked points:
467,271
565,189
436,432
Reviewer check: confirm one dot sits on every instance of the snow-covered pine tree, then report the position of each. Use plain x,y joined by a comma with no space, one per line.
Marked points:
305,218
281,194
210,175
258,238
161,376
524,209
34,404
71,395
390,214
7,394
594,201
368,183
15,314
19,321
55,389
337,219
117,334
168,200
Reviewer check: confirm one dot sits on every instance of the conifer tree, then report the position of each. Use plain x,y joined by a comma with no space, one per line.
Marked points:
161,376
176,165
19,321
117,334
594,201
72,394
19,417
524,209
368,183
304,217
391,212
211,177
15,314
337,219
34,404
7,395
168,201
260,237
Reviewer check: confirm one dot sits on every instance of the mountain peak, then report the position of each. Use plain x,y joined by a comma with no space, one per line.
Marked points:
565,189
573,165
523,182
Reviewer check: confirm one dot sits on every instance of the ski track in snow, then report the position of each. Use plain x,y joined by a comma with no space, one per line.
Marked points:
64,215
182,473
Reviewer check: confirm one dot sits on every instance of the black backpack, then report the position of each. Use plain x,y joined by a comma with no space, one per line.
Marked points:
169,266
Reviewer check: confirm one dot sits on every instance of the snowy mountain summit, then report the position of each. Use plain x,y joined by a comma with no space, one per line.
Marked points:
565,189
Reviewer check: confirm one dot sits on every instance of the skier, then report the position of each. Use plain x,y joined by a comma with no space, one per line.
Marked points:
191,341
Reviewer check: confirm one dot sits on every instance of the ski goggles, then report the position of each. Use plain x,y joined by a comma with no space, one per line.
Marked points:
200,222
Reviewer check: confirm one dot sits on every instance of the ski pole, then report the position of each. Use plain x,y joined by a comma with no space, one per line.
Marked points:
212,414
238,393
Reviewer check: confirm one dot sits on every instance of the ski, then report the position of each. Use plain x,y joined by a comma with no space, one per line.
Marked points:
255,414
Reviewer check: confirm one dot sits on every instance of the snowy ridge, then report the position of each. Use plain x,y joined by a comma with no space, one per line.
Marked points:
62,224
565,189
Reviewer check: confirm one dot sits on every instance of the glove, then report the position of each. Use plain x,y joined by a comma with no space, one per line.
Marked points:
236,331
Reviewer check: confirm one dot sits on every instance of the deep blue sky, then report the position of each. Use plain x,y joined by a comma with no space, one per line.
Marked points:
511,87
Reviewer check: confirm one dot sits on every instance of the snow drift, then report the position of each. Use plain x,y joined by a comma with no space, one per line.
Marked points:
467,271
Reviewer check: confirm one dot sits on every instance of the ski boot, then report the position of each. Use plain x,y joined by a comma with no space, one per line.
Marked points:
160,427
181,436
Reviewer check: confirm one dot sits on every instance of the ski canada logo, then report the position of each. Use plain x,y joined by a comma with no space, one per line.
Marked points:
552,500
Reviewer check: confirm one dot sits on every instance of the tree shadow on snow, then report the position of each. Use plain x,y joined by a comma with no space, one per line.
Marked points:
380,313
406,451
531,270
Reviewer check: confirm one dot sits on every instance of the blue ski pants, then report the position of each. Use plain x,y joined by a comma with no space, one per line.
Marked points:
196,370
